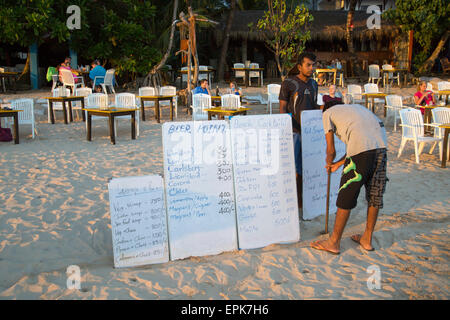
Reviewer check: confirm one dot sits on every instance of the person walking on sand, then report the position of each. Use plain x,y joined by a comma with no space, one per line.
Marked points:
298,93
364,164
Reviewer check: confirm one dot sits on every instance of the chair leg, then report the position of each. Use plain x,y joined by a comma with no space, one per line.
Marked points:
402,146
421,147
432,147
416,151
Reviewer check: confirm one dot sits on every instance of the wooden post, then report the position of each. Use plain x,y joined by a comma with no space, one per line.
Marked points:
410,49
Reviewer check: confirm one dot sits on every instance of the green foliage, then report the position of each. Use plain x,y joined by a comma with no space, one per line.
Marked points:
24,22
285,32
428,18
121,32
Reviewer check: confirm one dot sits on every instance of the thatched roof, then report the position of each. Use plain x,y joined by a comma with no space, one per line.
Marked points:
327,25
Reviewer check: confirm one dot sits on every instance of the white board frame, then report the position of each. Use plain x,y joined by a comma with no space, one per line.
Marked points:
275,206
219,235
314,174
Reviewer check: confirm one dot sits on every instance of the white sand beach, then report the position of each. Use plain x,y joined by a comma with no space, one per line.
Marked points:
54,212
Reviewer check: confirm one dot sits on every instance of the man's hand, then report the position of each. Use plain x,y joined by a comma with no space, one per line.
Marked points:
333,167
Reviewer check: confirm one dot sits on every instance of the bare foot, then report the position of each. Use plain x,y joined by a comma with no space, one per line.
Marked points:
325,245
362,242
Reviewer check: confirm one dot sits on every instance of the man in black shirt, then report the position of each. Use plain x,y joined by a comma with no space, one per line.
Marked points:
299,92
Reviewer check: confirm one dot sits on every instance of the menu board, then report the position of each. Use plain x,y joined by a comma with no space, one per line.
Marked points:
264,177
199,188
138,221
315,175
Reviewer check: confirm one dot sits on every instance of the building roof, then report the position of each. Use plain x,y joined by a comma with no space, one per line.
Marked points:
327,25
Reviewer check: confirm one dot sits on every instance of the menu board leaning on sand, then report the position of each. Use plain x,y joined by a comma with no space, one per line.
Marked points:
313,166
199,188
138,221
264,176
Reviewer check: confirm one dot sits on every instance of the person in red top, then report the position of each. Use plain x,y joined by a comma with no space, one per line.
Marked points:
333,95
423,96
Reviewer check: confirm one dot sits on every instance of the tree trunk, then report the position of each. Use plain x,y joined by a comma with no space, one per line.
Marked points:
349,33
428,64
193,41
223,53
169,48
26,69
280,69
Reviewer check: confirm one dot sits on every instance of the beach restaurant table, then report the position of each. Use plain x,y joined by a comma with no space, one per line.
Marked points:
401,72
9,75
445,93
247,71
221,113
63,100
373,96
14,114
427,116
156,99
446,126
85,75
110,113
333,71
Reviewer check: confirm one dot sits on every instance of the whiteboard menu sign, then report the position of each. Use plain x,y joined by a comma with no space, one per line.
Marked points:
199,188
315,175
264,177
138,221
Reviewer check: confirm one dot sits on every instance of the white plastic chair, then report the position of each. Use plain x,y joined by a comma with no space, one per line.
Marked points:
169,91
239,74
55,79
96,101
413,129
374,73
443,85
255,74
372,88
68,80
441,115
355,91
147,91
27,115
230,101
200,102
81,92
273,92
394,103
430,86
126,100
389,75
108,81
57,106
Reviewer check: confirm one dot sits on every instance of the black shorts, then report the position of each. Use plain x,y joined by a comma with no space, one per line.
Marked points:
366,168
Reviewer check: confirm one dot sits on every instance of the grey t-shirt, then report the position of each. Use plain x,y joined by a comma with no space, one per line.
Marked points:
356,126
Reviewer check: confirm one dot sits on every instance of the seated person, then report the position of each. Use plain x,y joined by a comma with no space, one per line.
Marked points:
234,89
333,95
66,66
97,71
423,96
203,88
